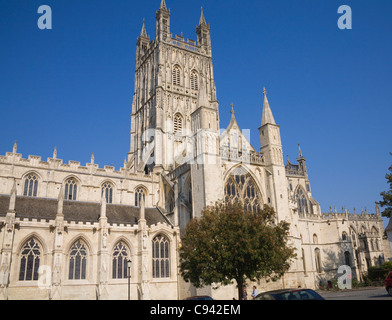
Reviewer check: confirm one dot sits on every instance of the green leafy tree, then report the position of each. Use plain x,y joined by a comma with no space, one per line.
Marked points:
228,244
387,196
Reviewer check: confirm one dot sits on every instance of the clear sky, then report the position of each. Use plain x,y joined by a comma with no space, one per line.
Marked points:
329,89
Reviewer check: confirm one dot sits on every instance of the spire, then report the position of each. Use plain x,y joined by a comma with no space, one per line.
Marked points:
299,151
202,20
300,156
143,33
55,153
268,118
15,148
163,5
378,210
92,158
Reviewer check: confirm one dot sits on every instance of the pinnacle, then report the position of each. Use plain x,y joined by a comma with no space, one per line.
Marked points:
163,5
143,33
267,113
202,20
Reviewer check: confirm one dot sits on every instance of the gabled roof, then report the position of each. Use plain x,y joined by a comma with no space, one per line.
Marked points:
78,211
233,126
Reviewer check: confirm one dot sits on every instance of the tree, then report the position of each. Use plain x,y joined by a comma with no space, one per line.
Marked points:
228,243
387,196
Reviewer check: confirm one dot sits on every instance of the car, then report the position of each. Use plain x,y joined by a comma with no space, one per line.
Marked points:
199,298
388,283
289,294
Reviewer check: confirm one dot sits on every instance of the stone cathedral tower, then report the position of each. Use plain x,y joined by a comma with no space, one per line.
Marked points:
175,116
168,73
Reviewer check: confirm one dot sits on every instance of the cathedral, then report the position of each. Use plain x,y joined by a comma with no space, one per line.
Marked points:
74,231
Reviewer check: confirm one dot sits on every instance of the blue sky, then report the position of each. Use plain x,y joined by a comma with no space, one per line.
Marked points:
329,89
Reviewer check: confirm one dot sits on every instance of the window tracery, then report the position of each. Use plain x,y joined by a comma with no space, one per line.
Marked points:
160,257
30,261
30,185
120,259
242,188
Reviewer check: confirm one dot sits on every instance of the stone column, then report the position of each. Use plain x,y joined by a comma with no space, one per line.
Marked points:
143,254
103,254
6,250
55,289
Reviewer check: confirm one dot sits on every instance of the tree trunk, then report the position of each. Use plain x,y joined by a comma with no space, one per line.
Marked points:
240,285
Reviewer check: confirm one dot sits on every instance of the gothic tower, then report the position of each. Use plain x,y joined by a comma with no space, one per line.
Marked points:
167,79
271,148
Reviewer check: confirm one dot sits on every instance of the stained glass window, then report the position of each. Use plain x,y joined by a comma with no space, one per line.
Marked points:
77,261
160,257
302,201
107,190
31,185
30,260
70,189
242,188
120,259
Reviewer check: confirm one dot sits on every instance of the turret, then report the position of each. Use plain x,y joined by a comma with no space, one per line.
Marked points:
163,22
301,161
203,34
142,43
271,145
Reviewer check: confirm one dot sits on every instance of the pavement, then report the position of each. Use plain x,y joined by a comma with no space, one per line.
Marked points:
368,293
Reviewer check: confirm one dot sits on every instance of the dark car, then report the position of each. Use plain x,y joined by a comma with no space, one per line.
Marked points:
290,294
199,298
388,283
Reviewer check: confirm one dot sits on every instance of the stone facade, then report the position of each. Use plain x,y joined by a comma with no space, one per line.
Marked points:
68,230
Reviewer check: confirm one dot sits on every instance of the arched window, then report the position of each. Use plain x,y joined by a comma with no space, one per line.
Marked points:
107,190
170,203
177,125
120,259
176,75
302,201
303,260
347,258
317,260
315,239
344,236
30,185
71,189
160,257
194,80
29,261
353,236
139,193
77,261
242,188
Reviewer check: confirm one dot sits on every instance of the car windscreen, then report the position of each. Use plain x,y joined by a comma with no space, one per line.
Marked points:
297,295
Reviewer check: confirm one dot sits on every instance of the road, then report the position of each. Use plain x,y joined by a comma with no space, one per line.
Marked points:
378,293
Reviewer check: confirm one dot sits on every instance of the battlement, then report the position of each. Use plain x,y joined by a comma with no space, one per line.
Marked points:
351,216
36,162
345,214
